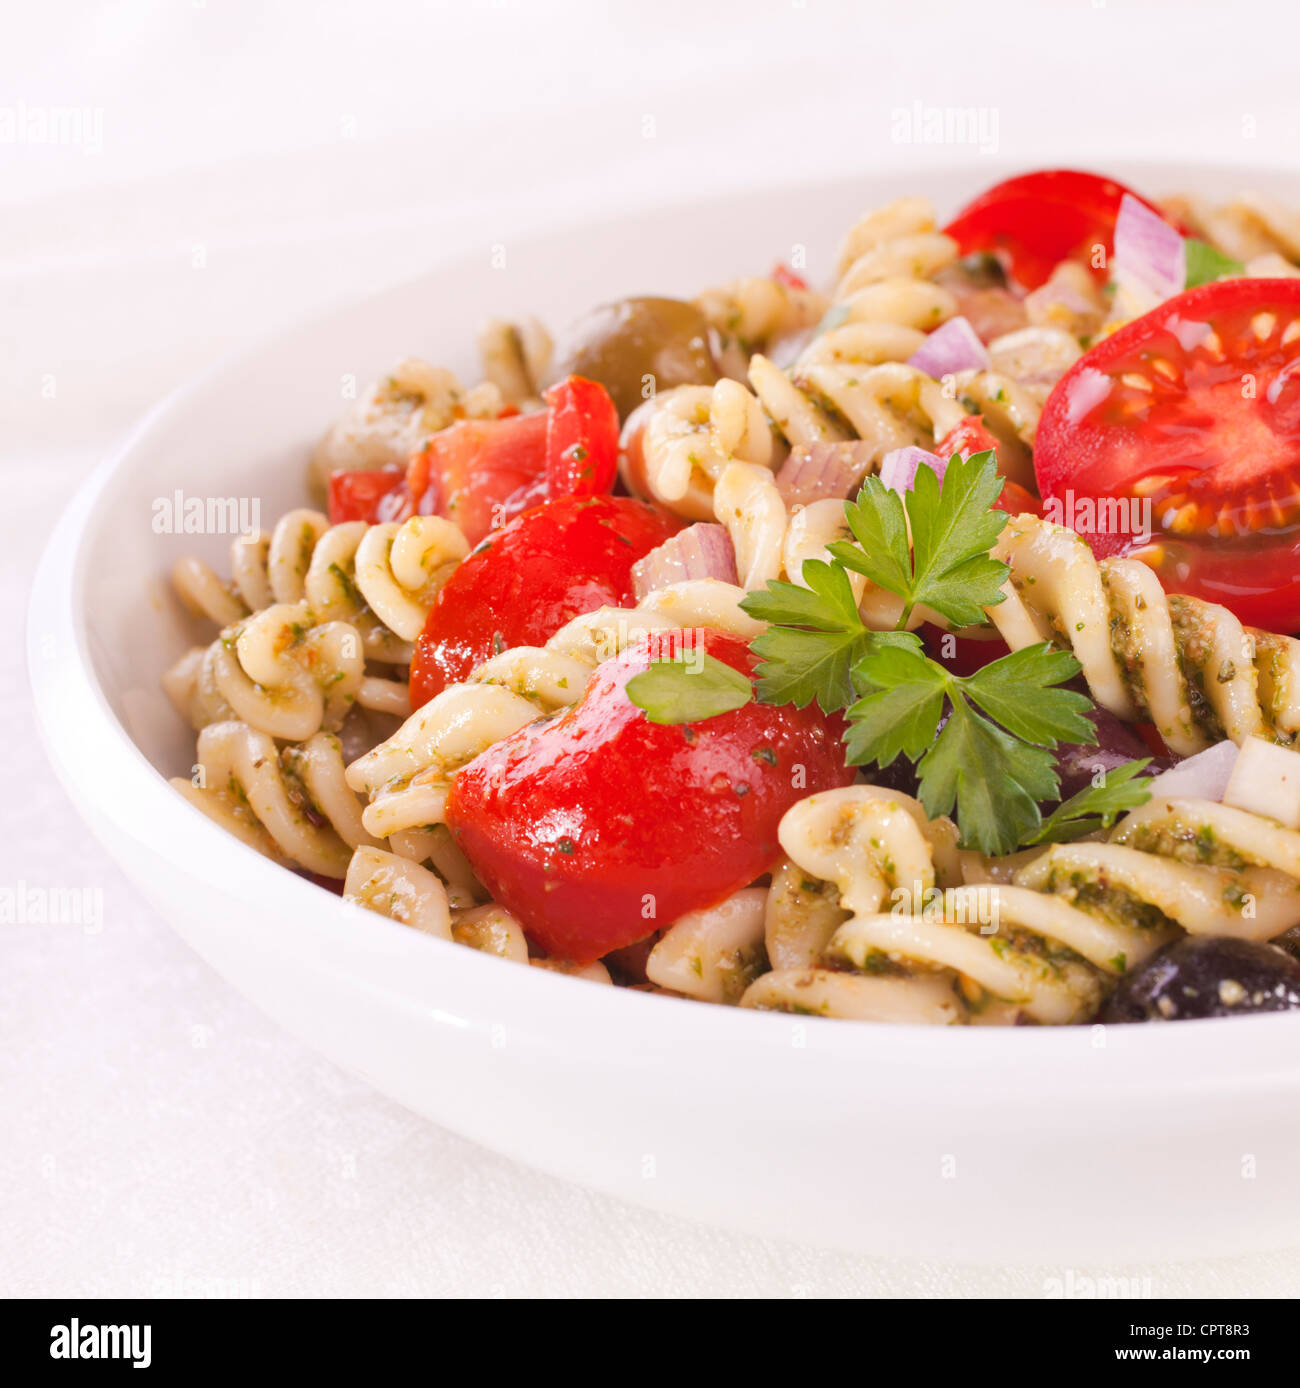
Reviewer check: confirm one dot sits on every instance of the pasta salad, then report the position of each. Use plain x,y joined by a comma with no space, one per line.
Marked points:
913,648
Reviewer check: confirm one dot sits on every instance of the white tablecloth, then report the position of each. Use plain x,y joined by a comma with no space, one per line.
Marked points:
230,169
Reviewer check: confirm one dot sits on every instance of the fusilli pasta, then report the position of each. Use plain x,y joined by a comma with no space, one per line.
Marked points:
1187,666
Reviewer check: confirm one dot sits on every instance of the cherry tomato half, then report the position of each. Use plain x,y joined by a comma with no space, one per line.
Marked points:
1035,221
522,584
971,436
1189,418
481,473
581,439
599,827
358,495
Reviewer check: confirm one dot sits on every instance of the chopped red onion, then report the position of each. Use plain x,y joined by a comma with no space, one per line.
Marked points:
699,551
898,469
821,471
1200,777
1117,744
1149,253
953,347
1058,292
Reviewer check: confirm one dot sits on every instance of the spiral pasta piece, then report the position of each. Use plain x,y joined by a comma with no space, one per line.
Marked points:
516,357
917,999
714,954
872,884
408,777
849,381
851,852
293,805
753,314
397,416
886,299
282,674
380,578
1010,412
400,568
887,406
691,436
399,889
1187,666
411,895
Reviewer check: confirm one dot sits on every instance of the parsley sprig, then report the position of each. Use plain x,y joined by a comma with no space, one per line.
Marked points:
931,549
947,565
992,758
1124,788
983,744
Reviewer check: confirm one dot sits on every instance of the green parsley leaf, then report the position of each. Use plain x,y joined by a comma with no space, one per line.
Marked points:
953,528
947,565
1204,263
970,767
682,691
1097,807
815,638
1016,691
900,714
826,604
993,775
879,525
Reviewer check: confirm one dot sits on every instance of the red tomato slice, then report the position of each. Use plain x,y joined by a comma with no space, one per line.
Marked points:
970,436
1189,418
1035,221
358,495
481,473
519,587
581,439
599,827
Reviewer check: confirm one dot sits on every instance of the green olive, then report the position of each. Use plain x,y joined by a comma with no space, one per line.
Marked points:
637,347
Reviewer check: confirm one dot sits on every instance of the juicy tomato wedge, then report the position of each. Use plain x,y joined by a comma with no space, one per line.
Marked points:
1035,221
581,439
480,473
971,436
358,495
519,587
599,827
1188,420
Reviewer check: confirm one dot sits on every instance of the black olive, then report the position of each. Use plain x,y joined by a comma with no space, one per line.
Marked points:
1206,976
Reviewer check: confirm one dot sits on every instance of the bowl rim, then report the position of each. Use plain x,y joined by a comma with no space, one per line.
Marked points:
465,988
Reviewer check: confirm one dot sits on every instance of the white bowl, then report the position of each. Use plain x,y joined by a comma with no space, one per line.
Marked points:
975,1144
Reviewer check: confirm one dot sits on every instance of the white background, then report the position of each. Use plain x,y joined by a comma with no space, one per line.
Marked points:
242,164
